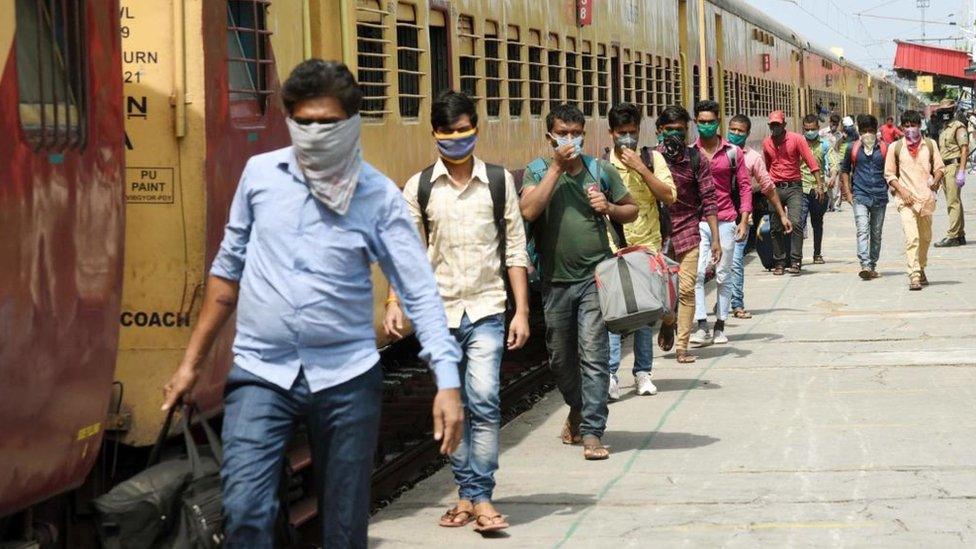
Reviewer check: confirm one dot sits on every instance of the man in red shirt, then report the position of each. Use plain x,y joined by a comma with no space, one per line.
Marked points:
783,150
890,132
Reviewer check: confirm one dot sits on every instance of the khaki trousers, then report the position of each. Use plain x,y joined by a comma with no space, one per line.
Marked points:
957,225
918,237
686,297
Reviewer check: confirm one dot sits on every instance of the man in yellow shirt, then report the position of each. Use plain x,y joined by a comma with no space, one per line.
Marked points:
647,177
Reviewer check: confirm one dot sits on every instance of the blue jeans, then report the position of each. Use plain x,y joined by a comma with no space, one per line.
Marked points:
814,210
726,231
579,353
643,351
870,223
343,425
737,278
476,459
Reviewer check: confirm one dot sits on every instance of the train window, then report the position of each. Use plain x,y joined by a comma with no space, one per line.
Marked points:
662,71
468,58
572,72
408,60
535,73
651,90
371,57
615,82
249,62
51,77
753,96
440,59
711,85
675,82
555,70
628,78
638,79
602,80
729,97
696,83
516,72
493,72
587,74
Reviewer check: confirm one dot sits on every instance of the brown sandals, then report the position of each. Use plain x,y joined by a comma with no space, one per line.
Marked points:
571,432
450,518
741,313
490,523
594,450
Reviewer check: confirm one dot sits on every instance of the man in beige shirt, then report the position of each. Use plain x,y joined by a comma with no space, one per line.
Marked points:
467,212
914,170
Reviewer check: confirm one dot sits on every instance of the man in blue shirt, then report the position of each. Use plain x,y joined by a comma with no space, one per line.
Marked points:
305,225
864,165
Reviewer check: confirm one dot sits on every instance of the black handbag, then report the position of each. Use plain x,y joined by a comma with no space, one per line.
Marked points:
170,504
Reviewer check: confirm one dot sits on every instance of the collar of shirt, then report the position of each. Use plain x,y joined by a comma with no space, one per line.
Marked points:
479,172
291,166
722,144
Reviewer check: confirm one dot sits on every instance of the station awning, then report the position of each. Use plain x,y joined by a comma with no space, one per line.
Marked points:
947,65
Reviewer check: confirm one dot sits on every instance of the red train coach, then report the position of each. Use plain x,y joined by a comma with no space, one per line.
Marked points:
62,225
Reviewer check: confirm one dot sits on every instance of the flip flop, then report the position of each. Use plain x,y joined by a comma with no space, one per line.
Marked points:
449,519
684,358
492,525
595,451
741,313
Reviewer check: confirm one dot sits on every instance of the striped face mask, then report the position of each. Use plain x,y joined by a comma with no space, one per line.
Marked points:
456,148
330,156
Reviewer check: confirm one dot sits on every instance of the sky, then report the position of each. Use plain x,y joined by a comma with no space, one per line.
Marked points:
857,25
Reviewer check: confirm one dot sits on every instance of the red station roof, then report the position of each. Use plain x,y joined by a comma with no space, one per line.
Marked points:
933,60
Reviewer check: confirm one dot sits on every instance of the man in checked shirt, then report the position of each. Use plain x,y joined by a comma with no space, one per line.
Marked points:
695,203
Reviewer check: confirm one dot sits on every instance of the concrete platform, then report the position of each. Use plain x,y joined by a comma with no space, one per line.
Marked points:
842,415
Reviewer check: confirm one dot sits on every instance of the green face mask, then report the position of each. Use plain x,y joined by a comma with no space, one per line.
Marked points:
708,129
811,134
736,139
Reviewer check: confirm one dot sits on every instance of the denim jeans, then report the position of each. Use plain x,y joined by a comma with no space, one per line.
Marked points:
476,459
726,231
579,353
737,278
343,425
870,223
643,351
814,210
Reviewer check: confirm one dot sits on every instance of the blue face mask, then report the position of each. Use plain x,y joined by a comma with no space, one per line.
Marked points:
456,148
736,139
567,139
811,135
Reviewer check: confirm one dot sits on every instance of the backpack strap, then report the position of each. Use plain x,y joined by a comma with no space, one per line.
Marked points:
647,157
497,187
856,148
424,187
732,153
538,168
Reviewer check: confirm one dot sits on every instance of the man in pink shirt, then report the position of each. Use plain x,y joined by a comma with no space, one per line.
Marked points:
733,196
783,150
763,194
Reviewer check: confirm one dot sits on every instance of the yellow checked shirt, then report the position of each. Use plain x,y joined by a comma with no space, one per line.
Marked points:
463,243
646,229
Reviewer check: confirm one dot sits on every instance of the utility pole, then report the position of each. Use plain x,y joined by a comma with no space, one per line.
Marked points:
922,4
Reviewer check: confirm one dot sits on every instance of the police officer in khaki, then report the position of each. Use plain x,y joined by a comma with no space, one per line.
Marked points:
954,146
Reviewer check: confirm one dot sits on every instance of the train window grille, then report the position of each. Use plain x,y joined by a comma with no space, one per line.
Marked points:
493,72
628,78
696,83
536,83
602,81
675,82
249,62
468,58
440,54
711,84
371,58
754,98
409,52
51,77
587,73
555,69
663,85
616,94
572,78
516,73
727,84
650,87
639,80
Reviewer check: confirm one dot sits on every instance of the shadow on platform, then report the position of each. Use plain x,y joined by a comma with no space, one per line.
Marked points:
623,441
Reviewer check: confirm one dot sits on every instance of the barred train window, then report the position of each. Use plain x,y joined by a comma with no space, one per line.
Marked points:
536,101
728,95
663,83
408,60
493,72
587,73
675,81
628,79
696,83
468,41
249,62
371,27
650,86
555,72
516,72
572,73
603,80
51,77
639,80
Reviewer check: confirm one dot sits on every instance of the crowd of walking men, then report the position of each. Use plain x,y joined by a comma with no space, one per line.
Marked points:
308,220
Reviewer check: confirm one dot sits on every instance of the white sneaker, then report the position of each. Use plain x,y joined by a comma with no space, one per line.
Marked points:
701,337
720,337
614,392
644,384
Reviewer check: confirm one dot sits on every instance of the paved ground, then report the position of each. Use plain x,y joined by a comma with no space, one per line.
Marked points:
841,415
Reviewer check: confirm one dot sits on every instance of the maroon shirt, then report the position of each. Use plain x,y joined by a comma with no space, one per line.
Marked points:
696,200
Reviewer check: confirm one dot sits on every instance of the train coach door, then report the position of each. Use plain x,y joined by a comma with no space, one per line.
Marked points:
440,52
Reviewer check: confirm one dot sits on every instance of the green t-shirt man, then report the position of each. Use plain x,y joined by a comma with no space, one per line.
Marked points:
570,237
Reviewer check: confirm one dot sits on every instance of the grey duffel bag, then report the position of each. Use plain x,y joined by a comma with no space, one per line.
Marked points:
637,287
